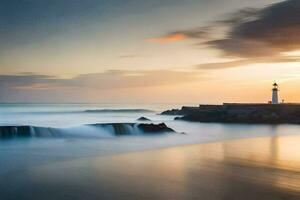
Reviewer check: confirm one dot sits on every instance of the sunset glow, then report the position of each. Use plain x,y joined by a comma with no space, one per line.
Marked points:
175,51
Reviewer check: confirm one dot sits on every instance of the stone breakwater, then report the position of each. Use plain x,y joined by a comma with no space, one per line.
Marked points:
240,113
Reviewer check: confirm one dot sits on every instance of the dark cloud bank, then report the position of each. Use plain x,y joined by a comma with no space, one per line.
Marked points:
266,32
254,35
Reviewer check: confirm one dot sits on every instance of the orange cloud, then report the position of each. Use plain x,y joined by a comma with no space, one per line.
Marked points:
168,38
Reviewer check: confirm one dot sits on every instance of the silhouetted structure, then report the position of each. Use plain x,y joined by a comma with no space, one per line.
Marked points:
275,94
269,113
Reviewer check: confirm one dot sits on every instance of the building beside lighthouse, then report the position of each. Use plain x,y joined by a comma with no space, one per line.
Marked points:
275,94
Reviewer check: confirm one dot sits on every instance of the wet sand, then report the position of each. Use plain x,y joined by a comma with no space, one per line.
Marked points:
250,169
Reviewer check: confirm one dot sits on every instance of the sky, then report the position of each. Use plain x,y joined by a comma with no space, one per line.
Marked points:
134,51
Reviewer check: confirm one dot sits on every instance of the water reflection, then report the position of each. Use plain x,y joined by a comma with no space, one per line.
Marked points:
262,168
273,161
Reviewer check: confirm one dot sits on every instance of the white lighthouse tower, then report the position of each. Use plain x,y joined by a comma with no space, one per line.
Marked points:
275,94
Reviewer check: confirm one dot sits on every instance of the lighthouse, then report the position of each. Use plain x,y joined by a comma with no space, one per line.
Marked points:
275,94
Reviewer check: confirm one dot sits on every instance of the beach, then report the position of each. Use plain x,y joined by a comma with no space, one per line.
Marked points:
150,100
256,168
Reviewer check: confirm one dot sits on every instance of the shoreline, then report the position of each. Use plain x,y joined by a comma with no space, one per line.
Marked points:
261,168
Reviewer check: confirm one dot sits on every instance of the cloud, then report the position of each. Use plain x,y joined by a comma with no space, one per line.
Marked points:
240,16
244,62
250,35
270,31
113,79
243,48
116,79
28,81
174,37
224,65
23,79
180,35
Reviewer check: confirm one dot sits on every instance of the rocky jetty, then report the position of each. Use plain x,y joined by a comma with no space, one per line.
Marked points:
185,110
241,113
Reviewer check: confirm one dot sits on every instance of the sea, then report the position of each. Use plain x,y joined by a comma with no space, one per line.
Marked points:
78,139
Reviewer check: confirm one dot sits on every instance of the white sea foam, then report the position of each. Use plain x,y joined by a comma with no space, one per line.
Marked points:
74,139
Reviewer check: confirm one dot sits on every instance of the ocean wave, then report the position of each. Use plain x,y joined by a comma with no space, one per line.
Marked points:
84,131
120,111
60,112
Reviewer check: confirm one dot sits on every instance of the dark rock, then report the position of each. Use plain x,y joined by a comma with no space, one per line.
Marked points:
143,119
183,111
172,112
129,128
155,128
